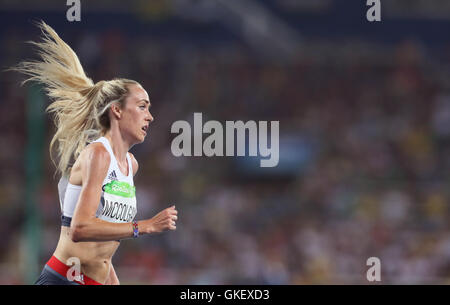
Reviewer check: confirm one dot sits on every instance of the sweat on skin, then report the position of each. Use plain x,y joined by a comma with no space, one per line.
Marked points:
213,145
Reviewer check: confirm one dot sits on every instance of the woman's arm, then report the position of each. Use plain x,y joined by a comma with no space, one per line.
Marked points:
85,226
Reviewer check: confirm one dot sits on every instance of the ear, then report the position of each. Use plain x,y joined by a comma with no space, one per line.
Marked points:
116,110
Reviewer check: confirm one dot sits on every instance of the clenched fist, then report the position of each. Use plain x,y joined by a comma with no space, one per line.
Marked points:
164,220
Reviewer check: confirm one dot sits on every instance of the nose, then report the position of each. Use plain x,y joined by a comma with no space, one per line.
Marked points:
149,117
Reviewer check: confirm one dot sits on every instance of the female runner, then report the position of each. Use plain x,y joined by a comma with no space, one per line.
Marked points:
96,125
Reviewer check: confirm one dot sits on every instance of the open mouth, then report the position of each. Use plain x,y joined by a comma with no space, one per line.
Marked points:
144,128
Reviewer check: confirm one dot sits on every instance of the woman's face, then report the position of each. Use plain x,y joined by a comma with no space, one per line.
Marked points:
135,115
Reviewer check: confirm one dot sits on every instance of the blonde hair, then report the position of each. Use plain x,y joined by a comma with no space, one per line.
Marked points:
79,106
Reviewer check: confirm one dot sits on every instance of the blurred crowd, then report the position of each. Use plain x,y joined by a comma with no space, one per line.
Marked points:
374,121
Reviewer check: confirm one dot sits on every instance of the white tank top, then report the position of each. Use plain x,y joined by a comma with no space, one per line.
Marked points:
118,198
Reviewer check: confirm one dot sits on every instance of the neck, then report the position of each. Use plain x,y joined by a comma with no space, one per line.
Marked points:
118,143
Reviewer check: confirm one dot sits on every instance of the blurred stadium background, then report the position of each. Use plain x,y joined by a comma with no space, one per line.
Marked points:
364,111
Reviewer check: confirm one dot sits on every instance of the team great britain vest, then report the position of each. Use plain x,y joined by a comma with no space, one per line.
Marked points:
118,197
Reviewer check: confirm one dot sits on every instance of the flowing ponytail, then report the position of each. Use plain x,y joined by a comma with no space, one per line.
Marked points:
79,107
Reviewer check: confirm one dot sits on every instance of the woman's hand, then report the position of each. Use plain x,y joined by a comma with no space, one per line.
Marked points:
163,221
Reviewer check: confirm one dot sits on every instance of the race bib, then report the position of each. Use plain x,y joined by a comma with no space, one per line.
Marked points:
119,202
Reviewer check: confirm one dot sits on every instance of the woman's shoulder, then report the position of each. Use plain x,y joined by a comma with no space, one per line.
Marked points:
94,153
97,151
93,157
